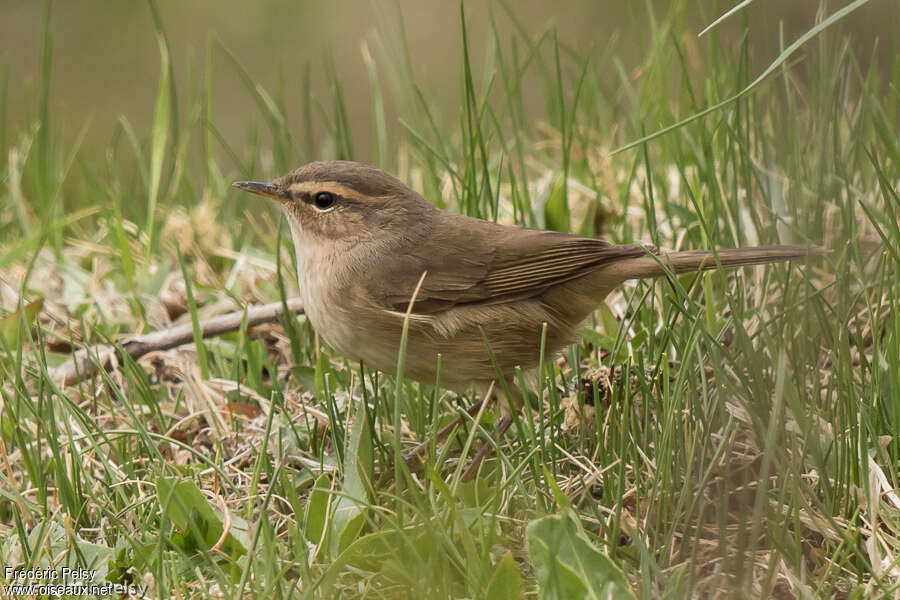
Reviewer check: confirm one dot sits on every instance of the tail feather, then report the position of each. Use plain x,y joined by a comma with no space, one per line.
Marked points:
705,260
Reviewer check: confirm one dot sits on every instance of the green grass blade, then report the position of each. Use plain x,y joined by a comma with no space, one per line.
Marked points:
773,66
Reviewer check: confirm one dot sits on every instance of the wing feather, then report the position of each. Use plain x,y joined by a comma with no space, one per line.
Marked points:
501,264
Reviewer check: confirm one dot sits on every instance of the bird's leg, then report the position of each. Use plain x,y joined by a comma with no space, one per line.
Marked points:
514,402
414,458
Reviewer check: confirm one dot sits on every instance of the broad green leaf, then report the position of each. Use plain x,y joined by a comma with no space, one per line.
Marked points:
506,582
568,565
184,504
11,324
348,524
305,377
317,508
370,551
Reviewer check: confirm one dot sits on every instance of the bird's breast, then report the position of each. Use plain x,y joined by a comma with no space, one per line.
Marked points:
337,306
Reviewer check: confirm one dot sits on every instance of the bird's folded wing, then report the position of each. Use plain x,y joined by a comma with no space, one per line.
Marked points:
509,265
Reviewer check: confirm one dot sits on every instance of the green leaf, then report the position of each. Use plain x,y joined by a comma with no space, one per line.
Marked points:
184,504
608,320
556,209
317,508
11,324
348,517
561,500
64,548
568,565
369,552
305,377
506,582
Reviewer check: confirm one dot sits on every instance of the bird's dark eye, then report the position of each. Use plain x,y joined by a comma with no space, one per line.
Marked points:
324,200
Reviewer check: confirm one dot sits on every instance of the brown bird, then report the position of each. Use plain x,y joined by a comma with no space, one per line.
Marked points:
364,241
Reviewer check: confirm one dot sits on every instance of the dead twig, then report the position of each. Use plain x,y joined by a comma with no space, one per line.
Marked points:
89,360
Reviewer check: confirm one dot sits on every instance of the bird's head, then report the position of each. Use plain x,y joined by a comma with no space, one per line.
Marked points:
341,200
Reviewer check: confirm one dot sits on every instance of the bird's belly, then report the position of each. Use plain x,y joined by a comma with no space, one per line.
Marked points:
353,331
373,336
457,338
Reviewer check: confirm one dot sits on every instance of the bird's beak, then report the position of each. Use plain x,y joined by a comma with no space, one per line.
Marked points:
261,189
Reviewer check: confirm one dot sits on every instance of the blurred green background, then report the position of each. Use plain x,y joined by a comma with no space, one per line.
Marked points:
105,60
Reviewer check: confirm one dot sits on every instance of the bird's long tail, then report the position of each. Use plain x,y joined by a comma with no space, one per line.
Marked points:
705,260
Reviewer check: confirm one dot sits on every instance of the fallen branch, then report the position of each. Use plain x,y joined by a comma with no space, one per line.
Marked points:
89,360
